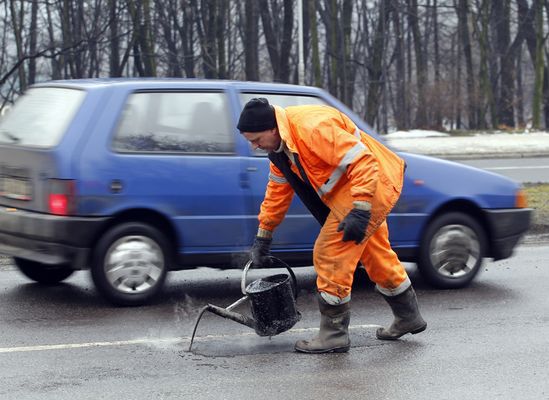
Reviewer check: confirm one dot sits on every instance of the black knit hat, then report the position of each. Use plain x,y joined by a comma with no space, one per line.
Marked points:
257,116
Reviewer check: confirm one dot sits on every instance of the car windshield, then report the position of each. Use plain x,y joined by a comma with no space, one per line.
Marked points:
40,116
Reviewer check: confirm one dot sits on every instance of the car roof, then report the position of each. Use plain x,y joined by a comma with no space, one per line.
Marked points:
255,87
183,83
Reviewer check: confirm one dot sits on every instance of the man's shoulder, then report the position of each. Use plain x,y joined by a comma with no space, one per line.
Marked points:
311,115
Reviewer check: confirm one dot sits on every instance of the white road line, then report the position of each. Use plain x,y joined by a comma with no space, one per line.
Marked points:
532,167
155,341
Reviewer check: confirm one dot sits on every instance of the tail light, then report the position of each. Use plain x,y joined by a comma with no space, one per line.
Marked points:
521,201
61,199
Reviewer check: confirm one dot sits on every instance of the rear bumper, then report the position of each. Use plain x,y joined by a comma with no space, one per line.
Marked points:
49,239
507,227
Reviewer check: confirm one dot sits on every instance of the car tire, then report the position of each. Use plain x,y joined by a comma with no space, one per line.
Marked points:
452,250
43,273
130,263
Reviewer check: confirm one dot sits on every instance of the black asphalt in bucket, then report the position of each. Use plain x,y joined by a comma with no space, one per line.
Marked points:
272,302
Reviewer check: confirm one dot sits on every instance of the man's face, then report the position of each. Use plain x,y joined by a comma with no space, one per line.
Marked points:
268,140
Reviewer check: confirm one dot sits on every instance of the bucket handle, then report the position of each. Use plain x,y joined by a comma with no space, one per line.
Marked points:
284,264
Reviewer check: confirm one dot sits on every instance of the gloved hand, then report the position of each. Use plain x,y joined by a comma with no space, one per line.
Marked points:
261,252
354,225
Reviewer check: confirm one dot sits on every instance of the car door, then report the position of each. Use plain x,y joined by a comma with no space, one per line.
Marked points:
173,152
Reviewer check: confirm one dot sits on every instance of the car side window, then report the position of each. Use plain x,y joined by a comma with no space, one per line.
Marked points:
175,122
282,100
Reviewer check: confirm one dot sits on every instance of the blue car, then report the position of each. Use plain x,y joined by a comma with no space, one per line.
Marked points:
132,178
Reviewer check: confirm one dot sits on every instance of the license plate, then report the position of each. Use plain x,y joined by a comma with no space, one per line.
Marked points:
15,188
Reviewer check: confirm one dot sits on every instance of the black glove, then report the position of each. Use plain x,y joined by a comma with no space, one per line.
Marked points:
354,225
261,252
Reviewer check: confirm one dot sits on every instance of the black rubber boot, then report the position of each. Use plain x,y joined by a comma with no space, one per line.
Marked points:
407,316
334,330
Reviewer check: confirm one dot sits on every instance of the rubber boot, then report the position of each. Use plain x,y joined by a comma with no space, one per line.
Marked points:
334,330
407,316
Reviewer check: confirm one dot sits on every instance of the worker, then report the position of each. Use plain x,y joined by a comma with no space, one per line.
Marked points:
349,182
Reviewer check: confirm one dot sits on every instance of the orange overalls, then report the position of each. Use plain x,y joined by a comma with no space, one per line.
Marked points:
343,165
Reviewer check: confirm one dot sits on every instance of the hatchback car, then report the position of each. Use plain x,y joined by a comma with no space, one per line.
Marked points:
132,178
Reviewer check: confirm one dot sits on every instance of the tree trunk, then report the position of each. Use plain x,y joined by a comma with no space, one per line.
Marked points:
278,45
167,17
221,18
538,65
114,40
375,65
315,53
55,64
457,103
205,27
187,38
527,16
348,84
485,83
421,65
502,11
329,16
465,37
17,12
520,91
438,84
32,42
400,76
251,41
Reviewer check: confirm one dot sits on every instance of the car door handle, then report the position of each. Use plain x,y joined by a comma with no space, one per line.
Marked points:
251,169
116,186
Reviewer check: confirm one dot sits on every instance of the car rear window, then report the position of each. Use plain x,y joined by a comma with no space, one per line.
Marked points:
40,116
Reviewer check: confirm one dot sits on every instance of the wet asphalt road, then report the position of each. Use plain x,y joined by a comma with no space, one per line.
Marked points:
489,341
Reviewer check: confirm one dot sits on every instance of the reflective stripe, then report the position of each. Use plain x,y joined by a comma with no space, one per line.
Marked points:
264,233
334,300
357,133
396,291
341,168
277,179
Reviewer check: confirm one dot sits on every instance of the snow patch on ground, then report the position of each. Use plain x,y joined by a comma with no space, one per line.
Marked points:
439,143
415,133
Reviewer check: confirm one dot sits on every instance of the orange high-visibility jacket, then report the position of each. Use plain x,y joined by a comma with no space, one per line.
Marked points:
341,163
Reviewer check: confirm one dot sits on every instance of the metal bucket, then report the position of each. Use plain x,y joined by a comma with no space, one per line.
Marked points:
272,303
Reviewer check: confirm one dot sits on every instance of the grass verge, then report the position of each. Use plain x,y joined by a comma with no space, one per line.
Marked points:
538,199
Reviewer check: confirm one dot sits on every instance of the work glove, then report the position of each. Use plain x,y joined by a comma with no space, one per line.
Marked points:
261,252
354,225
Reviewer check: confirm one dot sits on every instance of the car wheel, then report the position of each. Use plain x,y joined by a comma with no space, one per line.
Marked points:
451,251
43,273
130,263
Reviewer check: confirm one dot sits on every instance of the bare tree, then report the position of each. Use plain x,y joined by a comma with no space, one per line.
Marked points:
278,35
376,51
539,65
167,17
462,9
315,52
17,12
251,40
421,64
